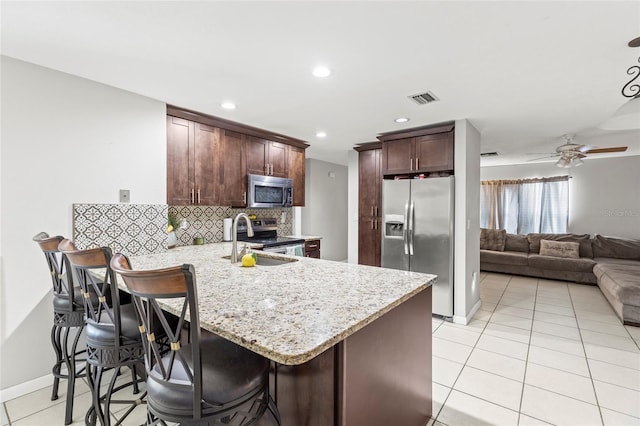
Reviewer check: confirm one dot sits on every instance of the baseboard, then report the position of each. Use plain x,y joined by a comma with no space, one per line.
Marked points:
25,388
464,320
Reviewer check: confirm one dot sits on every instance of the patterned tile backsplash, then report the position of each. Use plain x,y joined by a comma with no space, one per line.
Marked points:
207,221
128,228
136,229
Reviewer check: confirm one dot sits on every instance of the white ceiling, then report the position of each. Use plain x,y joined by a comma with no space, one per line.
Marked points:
523,73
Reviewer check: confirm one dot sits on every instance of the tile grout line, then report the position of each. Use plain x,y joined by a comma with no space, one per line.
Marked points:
6,413
526,362
593,386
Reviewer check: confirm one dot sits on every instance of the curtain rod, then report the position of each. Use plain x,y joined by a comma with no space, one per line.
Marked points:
530,180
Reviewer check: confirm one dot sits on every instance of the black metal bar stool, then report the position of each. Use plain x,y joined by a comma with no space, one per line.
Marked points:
112,337
68,321
201,381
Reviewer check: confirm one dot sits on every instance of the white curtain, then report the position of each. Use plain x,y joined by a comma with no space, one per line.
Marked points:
525,205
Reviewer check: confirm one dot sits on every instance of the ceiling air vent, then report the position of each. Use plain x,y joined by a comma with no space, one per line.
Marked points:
488,154
423,98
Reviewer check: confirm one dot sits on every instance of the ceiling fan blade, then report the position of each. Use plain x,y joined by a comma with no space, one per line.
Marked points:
544,158
606,150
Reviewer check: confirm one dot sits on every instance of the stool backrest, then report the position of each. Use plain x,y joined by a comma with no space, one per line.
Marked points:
91,270
146,287
61,277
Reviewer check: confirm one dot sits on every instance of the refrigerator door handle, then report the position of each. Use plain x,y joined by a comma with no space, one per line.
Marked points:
405,235
411,231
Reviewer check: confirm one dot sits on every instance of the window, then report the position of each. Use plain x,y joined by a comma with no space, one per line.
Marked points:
525,205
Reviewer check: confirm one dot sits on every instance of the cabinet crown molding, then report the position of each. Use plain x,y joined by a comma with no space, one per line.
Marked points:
431,129
234,126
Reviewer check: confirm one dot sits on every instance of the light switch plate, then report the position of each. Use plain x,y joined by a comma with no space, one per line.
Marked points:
124,196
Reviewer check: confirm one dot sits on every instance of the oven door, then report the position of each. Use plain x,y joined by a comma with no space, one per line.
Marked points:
291,249
269,191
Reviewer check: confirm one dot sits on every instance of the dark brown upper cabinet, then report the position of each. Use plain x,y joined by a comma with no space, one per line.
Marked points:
418,151
233,175
192,162
265,157
208,159
296,173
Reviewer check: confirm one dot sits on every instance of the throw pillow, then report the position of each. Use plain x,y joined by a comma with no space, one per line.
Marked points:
559,249
518,243
492,239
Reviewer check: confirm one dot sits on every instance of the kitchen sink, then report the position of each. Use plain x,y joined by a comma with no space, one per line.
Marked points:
262,260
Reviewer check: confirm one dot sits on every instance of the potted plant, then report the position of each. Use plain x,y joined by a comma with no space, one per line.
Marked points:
171,230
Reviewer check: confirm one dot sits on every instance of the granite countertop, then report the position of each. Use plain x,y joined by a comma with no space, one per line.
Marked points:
304,237
288,313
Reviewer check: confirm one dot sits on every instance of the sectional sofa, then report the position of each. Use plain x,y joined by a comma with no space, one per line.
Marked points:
611,263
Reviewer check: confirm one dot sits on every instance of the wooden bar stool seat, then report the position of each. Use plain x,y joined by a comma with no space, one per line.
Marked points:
112,339
68,321
200,381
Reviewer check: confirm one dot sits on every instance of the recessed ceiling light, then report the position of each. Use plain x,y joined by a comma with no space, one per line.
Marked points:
401,120
228,105
321,135
321,72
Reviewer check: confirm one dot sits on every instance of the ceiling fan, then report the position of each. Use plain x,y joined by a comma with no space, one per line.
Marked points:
571,153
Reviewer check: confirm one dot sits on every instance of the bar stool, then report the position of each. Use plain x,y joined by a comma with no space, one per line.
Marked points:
112,336
68,320
204,381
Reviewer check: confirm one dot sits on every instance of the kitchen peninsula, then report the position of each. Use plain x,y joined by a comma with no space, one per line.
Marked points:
351,344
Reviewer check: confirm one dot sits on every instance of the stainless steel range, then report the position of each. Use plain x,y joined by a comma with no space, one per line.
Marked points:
266,233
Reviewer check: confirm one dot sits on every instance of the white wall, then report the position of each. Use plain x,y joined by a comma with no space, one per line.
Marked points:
64,140
325,212
353,213
467,222
604,193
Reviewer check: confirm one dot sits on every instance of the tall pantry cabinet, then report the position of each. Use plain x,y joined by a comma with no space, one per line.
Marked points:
369,204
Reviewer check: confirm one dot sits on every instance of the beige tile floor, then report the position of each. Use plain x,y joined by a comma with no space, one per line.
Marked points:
538,352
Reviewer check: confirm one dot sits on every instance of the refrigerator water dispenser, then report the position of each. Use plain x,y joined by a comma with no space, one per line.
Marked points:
393,226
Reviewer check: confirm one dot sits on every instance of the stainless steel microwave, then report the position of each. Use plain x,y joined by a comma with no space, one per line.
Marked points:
269,191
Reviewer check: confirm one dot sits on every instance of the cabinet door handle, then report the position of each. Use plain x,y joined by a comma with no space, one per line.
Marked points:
411,164
198,195
373,210
372,225
192,196
417,167
244,197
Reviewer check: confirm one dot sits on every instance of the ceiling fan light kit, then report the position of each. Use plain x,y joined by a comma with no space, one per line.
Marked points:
627,117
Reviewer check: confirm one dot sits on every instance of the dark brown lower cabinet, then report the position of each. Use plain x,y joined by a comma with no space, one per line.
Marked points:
312,249
378,376
369,241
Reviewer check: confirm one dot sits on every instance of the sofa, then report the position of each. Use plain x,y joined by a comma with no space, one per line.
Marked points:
611,263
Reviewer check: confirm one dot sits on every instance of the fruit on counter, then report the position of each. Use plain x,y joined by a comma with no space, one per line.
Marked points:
169,228
248,260
252,216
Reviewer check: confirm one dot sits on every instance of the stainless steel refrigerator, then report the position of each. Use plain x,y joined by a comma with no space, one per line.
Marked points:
417,232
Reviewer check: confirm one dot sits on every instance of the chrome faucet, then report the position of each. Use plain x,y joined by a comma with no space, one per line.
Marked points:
234,234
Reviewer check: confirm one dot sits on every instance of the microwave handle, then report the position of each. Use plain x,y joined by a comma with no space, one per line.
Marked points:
286,195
